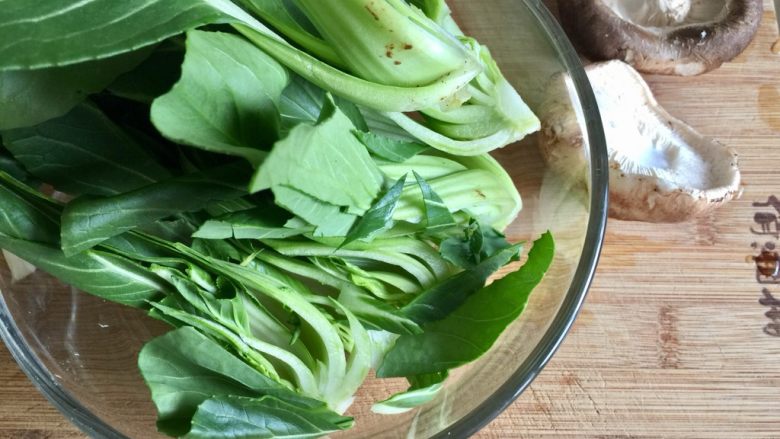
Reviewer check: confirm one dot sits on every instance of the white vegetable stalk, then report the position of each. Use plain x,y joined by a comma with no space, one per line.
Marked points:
387,41
494,116
402,57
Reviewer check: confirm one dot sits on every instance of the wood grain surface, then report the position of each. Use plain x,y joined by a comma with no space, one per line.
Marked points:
673,340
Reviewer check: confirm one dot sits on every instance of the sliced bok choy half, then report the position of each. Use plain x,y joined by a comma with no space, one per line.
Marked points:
393,57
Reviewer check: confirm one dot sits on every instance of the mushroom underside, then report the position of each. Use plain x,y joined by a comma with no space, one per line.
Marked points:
665,14
661,170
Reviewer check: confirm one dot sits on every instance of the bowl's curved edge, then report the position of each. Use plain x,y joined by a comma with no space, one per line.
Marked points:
597,224
45,382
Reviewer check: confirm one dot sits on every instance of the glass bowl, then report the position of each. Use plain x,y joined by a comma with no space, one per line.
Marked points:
81,351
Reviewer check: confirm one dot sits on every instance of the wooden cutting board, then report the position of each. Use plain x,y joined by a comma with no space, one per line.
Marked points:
679,337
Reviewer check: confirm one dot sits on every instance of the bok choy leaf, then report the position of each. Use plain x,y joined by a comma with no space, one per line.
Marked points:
468,332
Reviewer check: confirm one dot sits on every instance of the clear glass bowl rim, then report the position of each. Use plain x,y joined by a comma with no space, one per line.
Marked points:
94,427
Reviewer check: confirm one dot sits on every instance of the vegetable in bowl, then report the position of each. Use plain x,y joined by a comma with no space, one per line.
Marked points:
298,214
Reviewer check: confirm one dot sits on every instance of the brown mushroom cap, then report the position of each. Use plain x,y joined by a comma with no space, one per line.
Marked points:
685,44
660,169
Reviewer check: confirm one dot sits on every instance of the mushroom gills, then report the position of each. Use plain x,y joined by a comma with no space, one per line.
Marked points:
657,14
643,143
661,169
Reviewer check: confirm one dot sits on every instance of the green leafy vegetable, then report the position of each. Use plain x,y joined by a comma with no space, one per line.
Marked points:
396,151
378,217
31,97
476,186
239,170
28,229
437,215
99,273
394,41
400,257
15,169
470,330
185,370
324,161
107,161
361,91
262,417
89,221
266,222
284,16
329,218
477,244
423,390
26,215
226,100
375,312
439,301
301,102
59,33
155,76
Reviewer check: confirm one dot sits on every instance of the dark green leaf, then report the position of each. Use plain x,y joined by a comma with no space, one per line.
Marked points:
12,167
50,33
184,368
25,214
457,251
217,248
183,315
492,242
174,230
437,216
98,273
232,417
426,380
28,229
476,245
84,152
441,300
302,102
352,112
283,15
89,221
140,247
153,77
471,330
227,207
30,97
226,100
397,151
379,217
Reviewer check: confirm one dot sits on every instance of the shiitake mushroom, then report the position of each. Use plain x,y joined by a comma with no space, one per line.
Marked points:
660,169
679,37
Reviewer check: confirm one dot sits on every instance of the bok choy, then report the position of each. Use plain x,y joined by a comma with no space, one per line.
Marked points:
401,44
300,189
